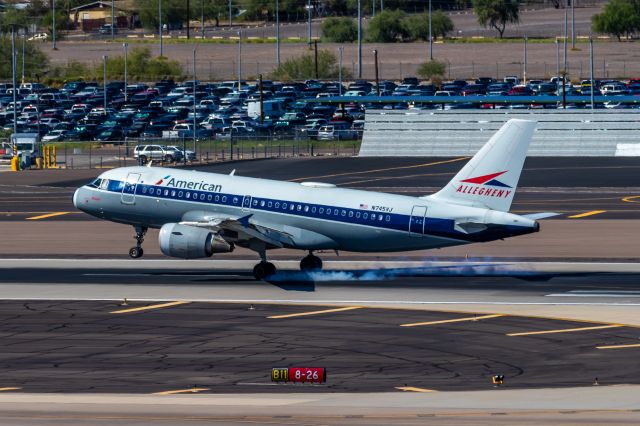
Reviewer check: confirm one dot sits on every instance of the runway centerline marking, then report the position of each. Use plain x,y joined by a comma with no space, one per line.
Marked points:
180,391
45,216
635,345
415,166
481,317
566,330
325,311
150,307
414,389
8,389
591,213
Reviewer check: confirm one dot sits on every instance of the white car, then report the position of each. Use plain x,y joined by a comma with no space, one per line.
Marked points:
189,155
39,37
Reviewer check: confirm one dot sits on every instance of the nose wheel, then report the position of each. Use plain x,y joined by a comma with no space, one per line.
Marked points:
137,251
311,263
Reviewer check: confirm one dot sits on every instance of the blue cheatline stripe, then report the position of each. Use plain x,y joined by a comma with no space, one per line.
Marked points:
391,221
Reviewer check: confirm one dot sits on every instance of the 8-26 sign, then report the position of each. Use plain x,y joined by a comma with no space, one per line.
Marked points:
299,374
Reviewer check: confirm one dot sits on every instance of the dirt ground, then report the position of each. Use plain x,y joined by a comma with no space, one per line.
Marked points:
219,61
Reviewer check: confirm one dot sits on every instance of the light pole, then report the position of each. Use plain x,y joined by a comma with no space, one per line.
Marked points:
13,80
381,6
359,39
375,59
194,104
113,19
239,59
188,19
202,17
524,69
573,25
593,86
230,17
53,19
126,71
341,50
160,25
309,21
104,83
24,37
565,35
557,57
278,32
430,35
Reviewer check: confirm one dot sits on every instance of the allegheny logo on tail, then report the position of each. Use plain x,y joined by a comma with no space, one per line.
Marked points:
479,186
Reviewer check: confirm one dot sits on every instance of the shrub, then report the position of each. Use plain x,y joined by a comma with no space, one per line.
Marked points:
303,67
339,30
432,69
387,27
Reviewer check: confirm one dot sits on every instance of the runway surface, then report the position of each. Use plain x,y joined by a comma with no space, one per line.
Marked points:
570,186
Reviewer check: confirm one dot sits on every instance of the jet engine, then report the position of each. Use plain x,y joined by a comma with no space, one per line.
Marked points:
190,242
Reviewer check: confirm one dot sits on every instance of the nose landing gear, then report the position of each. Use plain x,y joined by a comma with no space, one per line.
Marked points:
137,251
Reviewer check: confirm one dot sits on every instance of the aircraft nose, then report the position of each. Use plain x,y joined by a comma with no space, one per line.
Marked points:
75,198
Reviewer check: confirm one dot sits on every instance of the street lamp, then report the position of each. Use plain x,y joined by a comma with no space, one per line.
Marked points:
524,70
194,105
593,86
104,82
359,39
375,59
278,32
160,25
239,59
341,50
126,72
430,35
53,19
113,19
13,79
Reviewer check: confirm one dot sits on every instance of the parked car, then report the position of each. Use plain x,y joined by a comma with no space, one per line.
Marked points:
183,153
337,130
145,153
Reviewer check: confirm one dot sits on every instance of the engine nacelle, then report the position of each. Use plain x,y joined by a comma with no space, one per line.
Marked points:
190,242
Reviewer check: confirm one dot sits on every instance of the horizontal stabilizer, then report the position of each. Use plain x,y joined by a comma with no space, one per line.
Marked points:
543,215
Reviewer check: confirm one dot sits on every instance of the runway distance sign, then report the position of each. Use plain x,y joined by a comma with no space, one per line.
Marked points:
299,374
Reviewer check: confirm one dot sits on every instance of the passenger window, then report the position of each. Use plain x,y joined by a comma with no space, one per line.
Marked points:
262,203
202,197
357,215
321,210
388,218
313,209
173,193
284,206
373,216
166,192
180,194
209,197
277,205
144,189
217,198
188,195
380,217
224,199
255,202
350,213
306,208
344,213
269,204
292,207
235,200
299,207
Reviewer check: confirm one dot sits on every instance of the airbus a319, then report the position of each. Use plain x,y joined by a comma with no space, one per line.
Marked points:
200,214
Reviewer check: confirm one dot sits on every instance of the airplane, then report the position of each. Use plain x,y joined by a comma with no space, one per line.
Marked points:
200,214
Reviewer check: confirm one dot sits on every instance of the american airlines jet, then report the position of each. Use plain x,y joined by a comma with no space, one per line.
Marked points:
200,214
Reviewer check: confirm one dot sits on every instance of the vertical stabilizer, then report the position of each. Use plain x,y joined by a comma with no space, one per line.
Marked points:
490,178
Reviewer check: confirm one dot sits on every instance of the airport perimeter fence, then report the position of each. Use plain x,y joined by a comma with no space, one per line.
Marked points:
89,155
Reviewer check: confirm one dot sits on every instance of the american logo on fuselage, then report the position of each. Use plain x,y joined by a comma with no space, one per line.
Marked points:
187,184
486,185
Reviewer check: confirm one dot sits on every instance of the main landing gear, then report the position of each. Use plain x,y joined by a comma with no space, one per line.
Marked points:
311,263
137,252
264,269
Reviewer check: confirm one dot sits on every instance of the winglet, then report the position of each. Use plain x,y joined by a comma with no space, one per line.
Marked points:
233,172
244,221
149,163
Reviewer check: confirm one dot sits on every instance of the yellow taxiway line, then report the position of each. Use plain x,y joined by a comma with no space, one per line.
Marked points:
45,216
8,389
149,307
325,311
179,391
631,199
565,330
635,345
591,213
416,324
412,389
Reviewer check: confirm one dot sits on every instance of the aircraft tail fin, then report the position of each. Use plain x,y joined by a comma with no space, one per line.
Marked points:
490,178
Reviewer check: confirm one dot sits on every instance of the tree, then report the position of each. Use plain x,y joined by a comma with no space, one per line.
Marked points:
303,67
432,70
174,12
418,25
387,27
496,13
339,30
35,61
619,17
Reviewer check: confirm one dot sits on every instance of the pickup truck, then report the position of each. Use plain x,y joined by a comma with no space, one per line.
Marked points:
145,153
184,130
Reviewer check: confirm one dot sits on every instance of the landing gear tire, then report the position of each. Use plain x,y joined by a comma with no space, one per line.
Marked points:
311,263
136,252
264,270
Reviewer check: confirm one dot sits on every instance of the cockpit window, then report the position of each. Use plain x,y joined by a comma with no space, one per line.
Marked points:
96,183
104,184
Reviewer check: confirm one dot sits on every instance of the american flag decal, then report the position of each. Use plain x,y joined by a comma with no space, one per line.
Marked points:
364,206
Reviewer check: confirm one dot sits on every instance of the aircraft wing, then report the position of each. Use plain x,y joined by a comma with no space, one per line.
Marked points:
245,227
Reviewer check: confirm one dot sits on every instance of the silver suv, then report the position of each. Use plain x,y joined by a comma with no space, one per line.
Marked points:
146,153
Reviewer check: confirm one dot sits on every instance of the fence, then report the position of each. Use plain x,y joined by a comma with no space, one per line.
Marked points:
87,155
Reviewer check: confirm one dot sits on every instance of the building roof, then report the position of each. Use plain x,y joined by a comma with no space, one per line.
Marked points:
92,5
